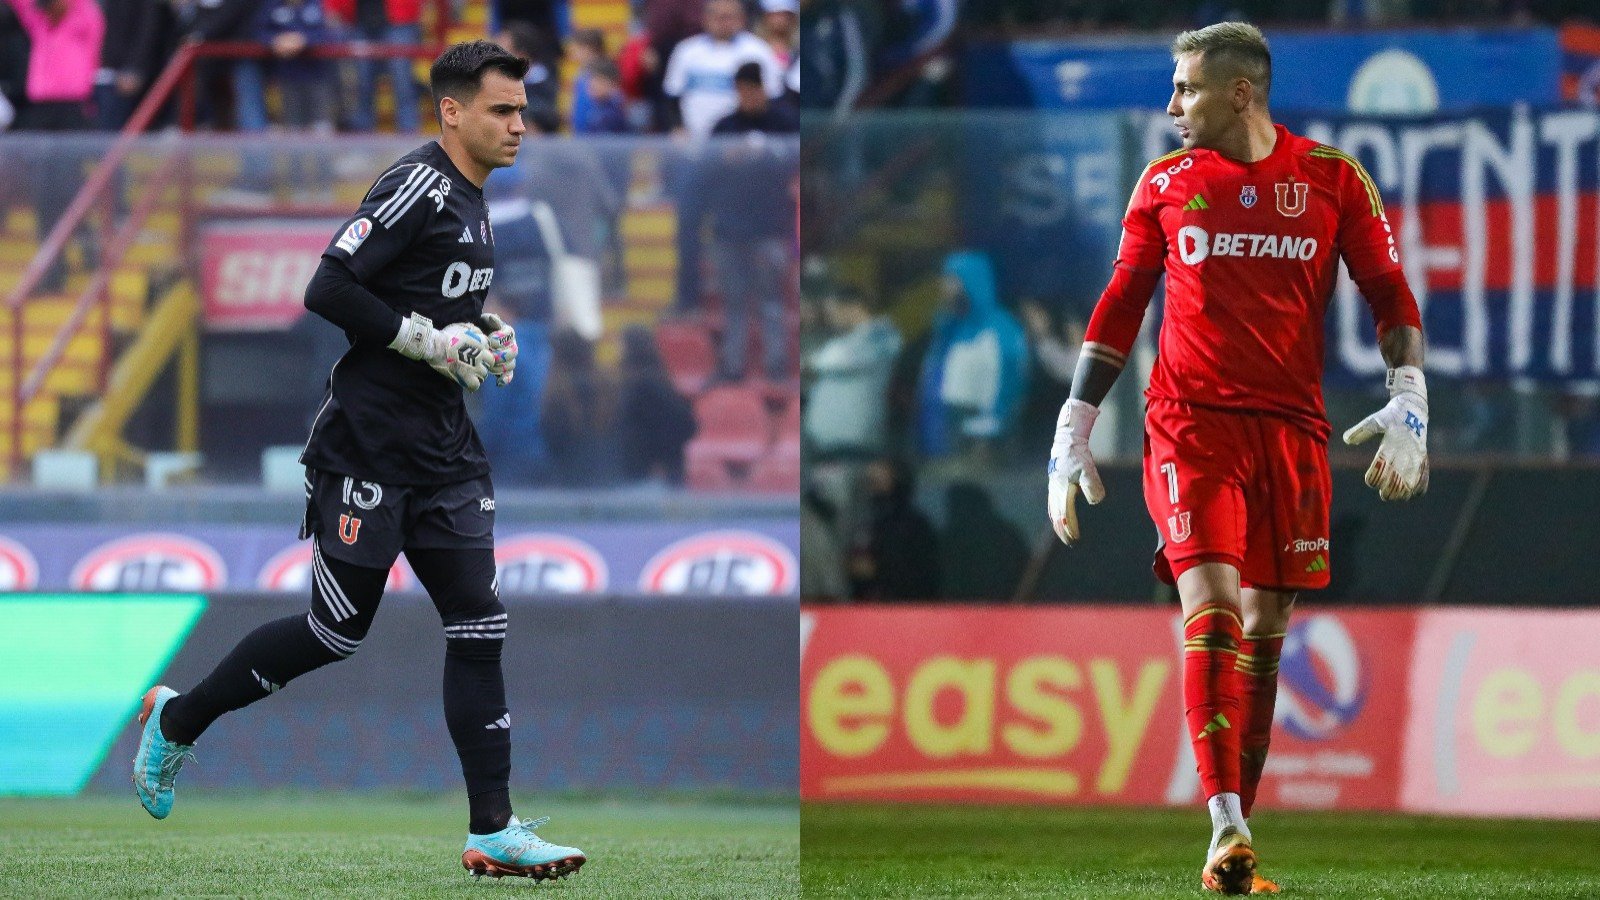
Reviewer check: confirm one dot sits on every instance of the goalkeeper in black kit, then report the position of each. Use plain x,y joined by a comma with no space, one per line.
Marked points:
394,464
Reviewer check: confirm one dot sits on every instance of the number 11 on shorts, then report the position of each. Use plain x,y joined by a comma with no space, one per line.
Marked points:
1171,470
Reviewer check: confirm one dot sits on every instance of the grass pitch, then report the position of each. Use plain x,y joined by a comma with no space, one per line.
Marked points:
933,852
313,846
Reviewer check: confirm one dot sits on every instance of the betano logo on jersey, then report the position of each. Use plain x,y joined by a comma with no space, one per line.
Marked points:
19,571
736,563
542,563
460,278
1196,245
290,570
154,561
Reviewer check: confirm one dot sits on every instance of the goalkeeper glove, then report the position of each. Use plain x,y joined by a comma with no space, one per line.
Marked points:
1072,469
459,352
502,347
1400,470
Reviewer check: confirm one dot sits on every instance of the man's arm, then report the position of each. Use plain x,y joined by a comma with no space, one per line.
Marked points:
1402,346
1112,330
28,15
336,295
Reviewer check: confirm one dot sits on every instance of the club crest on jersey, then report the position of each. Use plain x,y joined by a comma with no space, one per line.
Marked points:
1292,198
483,230
1247,196
1178,527
349,528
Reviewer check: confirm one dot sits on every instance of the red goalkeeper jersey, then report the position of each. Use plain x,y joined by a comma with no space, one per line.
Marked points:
1251,251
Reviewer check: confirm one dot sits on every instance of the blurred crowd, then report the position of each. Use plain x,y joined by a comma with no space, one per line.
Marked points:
85,64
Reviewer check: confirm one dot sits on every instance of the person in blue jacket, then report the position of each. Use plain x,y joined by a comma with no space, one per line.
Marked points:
975,372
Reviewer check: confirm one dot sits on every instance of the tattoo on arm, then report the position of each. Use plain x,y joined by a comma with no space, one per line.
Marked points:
1401,346
1098,368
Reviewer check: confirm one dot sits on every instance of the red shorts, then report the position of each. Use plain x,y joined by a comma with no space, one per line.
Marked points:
1246,489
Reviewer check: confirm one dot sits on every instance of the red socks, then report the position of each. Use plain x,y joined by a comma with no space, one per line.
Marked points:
1211,694
1258,682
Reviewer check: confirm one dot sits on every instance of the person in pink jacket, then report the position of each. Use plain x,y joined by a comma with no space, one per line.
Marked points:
65,37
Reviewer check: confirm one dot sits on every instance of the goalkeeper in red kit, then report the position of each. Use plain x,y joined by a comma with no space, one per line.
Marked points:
1249,223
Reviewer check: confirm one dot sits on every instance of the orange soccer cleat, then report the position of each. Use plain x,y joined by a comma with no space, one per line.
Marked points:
1232,867
1263,885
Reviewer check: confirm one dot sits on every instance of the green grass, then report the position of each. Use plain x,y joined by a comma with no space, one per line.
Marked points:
933,852
311,846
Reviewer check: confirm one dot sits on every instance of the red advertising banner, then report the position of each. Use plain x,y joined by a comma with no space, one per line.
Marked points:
1505,714
253,273
1079,705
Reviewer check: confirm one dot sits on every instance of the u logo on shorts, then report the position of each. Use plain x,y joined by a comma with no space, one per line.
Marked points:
349,528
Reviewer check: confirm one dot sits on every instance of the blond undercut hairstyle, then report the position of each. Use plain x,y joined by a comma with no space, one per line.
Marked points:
1230,50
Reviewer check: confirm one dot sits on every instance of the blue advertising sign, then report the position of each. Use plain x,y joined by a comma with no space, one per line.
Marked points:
1402,72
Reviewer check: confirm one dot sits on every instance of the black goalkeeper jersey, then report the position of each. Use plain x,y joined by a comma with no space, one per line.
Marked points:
420,242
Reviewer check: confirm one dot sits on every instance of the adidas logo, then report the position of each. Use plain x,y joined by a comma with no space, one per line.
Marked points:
502,722
1217,723
1198,202
466,236
1320,564
270,687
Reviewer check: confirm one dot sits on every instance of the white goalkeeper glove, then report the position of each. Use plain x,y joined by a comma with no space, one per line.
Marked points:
1400,470
502,347
1072,469
459,352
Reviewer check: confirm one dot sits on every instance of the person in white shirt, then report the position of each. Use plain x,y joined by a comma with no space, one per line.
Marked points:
699,79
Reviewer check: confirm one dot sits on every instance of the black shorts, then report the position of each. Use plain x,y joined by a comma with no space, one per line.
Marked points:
367,524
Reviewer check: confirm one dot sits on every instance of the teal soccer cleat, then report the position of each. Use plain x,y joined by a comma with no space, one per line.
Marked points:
516,850
159,759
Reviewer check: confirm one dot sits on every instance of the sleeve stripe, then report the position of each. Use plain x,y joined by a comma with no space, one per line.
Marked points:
395,207
1105,353
416,191
416,169
1327,152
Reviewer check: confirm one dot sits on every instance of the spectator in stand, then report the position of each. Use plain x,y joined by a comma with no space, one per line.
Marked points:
580,404
974,373
666,23
604,112
640,66
124,71
290,28
699,93
780,27
846,414
542,84
545,16
752,222
838,37
654,421
700,72
894,550
391,22
586,46
65,36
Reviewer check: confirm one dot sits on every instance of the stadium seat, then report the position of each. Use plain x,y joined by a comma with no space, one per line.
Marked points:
690,355
779,470
734,433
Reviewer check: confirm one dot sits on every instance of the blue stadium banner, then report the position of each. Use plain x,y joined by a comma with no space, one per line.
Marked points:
1384,72
1499,219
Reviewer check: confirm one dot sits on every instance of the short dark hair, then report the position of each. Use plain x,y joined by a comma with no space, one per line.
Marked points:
605,68
749,73
458,72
